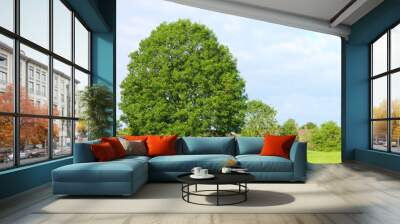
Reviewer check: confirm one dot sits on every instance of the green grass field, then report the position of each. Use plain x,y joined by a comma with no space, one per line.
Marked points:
323,157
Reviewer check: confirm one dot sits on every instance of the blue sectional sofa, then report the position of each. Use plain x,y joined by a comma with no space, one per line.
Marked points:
125,176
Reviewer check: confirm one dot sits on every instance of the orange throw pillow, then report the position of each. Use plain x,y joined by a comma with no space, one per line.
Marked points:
135,138
116,145
161,145
277,145
103,152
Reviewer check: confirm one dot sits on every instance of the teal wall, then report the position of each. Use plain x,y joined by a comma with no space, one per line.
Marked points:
355,84
24,178
103,65
100,17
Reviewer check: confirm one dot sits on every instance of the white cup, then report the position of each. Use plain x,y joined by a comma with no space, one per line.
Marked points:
226,170
203,172
196,171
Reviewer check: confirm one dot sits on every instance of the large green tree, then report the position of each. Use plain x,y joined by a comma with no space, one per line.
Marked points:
259,119
327,137
289,127
182,81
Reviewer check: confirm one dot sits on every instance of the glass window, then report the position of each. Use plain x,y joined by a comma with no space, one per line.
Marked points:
7,14
30,71
81,45
379,56
34,80
6,142
81,131
388,81
395,47
379,97
33,140
34,21
30,87
81,82
395,94
40,62
395,136
62,138
62,29
6,73
379,135
62,72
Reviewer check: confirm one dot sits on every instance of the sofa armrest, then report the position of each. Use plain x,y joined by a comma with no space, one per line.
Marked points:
298,155
83,152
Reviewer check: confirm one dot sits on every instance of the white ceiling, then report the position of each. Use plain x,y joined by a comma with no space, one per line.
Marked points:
315,15
320,9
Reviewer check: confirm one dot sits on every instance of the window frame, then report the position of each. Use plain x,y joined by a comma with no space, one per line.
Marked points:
16,114
388,74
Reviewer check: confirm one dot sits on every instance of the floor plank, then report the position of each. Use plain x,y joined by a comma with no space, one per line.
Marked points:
377,190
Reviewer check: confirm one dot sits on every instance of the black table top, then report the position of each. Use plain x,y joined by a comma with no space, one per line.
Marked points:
220,178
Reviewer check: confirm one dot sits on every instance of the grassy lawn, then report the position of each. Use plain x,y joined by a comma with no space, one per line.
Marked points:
323,157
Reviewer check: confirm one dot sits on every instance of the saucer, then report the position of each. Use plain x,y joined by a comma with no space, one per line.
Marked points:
208,176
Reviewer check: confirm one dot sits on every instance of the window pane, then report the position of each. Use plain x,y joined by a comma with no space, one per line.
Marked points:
7,14
33,140
379,55
62,89
395,94
62,29
395,47
81,131
62,138
81,82
395,136
81,45
34,97
6,74
6,142
379,97
35,21
379,135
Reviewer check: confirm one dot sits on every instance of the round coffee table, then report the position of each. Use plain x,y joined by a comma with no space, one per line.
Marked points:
238,179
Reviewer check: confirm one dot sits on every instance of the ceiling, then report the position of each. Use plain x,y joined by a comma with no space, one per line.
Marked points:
326,16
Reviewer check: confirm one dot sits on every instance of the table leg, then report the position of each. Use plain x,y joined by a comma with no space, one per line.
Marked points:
217,194
195,188
245,193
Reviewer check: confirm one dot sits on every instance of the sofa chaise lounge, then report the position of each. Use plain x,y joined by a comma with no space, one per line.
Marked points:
125,176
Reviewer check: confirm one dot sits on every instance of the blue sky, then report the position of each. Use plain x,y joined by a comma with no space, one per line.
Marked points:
295,71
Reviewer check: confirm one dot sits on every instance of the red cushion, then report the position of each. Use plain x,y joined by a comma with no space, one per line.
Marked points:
116,145
277,145
161,145
135,138
103,152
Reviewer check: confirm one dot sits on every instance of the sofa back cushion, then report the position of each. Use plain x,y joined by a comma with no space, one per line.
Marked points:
249,145
206,145
83,152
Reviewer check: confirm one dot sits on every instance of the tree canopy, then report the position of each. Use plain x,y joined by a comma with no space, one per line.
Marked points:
182,81
289,127
259,119
327,137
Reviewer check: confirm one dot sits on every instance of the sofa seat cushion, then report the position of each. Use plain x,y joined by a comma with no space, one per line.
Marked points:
185,163
257,163
112,171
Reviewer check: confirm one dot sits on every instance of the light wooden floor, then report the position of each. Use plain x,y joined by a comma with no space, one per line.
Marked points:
378,189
